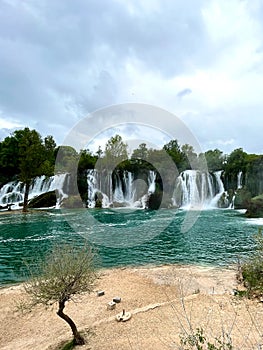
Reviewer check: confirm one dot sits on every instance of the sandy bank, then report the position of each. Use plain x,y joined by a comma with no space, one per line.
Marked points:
153,295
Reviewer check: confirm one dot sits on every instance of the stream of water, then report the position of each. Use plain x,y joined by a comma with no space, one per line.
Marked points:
126,237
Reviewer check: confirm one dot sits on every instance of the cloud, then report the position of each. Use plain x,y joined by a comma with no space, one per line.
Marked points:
61,60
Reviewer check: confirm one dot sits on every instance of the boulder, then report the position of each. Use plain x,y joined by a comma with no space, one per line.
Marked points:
98,199
44,200
255,207
72,202
242,198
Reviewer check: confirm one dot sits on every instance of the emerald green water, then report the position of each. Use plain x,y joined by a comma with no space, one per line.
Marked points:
218,237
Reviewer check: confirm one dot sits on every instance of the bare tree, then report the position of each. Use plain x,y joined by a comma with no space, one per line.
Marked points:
65,272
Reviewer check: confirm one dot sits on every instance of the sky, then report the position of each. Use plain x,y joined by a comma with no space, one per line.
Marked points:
202,61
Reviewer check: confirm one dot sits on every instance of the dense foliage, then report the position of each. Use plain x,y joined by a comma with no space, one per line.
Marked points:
25,155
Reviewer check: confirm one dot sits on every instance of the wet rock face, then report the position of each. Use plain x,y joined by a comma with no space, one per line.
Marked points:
255,207
242,198
44,200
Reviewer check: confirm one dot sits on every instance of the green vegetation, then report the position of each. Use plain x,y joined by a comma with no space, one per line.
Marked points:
69,346
252,269
198,341
65,272
25,155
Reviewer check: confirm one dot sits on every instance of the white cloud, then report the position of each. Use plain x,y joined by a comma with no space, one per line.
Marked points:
8,124
60,61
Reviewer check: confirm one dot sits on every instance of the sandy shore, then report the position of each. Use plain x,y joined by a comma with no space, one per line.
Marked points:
163,302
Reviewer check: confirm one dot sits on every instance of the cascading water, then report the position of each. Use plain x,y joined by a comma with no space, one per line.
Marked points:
143,201
151,181
239,186
220,189
13,192
195,189
239,180
99,184
192,189
124,191
118,189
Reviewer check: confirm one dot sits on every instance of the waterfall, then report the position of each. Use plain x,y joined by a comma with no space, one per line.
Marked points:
96,185
220,189
232,203
143,201
124,191
118,189
195,189
239,180
13,192
239,186
151,181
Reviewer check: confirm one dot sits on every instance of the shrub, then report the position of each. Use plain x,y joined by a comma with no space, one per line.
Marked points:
198,341
252,269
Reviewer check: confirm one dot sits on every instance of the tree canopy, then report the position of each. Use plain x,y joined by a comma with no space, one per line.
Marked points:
65,272
25,155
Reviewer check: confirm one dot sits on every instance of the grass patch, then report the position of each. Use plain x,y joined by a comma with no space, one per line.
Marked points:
68,346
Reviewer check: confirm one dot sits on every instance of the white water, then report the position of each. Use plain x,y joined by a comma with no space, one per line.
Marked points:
123,190
221,189
239,186
13,192
239,180
151,181
195,189
232,204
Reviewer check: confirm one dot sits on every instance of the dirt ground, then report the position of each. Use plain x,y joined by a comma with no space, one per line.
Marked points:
165,302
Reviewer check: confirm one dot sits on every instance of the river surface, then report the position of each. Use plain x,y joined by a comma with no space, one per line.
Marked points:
127,237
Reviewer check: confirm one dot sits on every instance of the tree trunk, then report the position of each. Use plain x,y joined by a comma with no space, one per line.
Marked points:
27,187
78,339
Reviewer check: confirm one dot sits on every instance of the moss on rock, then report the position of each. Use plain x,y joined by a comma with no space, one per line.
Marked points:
255,207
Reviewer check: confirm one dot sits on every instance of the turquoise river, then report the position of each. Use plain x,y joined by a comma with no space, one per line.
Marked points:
127,237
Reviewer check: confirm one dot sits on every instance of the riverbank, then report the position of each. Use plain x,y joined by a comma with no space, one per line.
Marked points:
160,299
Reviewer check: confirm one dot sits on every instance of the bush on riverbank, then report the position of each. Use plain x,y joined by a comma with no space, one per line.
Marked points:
252,269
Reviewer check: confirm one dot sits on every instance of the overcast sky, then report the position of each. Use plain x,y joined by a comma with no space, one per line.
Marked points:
200,60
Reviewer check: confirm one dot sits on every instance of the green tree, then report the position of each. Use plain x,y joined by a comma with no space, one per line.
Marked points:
214,159
141,152
67,159
236,161
172,148
9,158
65,272
50,149
25,155
157,158
190,159
99,152
115,151
86,160
32,158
